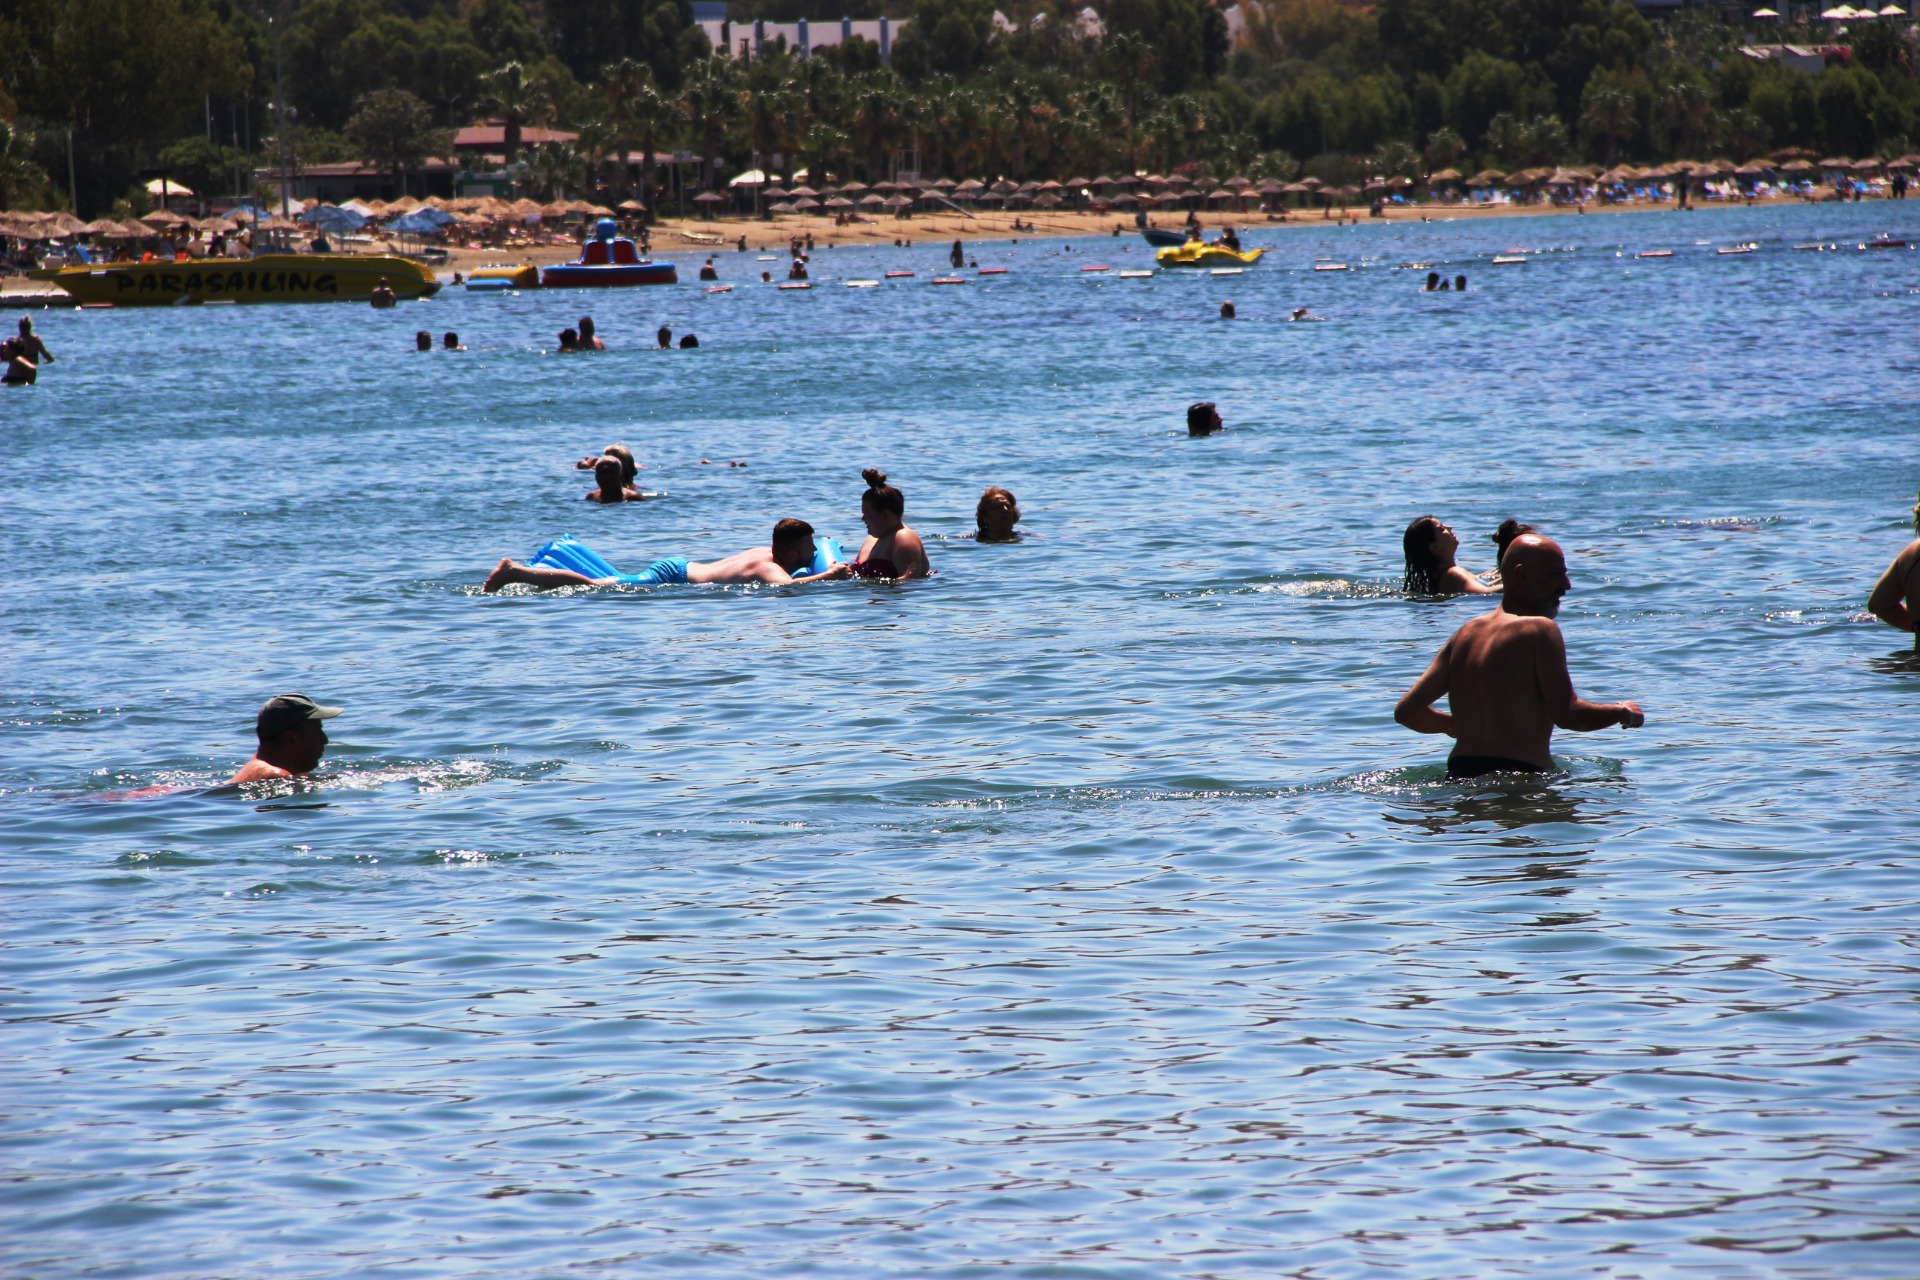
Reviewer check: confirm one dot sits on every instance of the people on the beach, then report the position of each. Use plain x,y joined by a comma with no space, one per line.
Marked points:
589,341
792,549
382,295
891,550
1505,676
1895,599
1203,419
291,739
423,341
612,477
1430,544
995,515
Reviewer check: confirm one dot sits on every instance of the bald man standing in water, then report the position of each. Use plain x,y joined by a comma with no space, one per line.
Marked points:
1504,675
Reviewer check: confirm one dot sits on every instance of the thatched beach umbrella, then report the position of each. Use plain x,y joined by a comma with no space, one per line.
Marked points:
781,206
839,202
802,192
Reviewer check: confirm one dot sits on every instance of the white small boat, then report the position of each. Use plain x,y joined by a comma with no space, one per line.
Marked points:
1227,271
1509,259
1136,275
863,284
1331,266
797,284
1733,250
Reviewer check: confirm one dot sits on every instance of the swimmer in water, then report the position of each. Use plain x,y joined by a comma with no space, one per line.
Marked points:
1203,419
423,341
450,341
382,295
891,551
1301,313
30,343
628,467
1896,597
1505,676
1226,310
1430,546
291,739
665,337
588,340
611,475
709,272
20,371
792,550
995,516
688,342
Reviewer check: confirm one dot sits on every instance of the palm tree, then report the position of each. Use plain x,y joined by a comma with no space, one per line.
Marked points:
1609,114
707,100
1688,106
18,172
631,108
518,99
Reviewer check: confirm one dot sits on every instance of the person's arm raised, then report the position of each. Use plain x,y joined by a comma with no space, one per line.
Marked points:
1415,708
1568,709
1885,600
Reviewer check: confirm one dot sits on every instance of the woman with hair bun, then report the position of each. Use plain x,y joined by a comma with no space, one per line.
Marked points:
892,551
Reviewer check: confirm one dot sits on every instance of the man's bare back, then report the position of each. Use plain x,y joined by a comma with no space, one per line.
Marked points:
1505,677
1896,597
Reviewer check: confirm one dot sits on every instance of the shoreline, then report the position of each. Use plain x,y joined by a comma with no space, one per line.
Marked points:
675,238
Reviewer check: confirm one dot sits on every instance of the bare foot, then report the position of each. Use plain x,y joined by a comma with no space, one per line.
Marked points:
501,576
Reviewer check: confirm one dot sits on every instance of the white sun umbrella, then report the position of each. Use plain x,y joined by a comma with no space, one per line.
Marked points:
1893,11
1766,13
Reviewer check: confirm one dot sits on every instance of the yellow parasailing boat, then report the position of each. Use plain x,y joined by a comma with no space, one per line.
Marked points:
271,277
1195,254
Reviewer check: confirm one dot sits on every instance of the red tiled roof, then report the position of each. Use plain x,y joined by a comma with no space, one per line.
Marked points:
491,135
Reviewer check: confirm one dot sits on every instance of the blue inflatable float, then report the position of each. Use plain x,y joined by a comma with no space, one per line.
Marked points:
568,552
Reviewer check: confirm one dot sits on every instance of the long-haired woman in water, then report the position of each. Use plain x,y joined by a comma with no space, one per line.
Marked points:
1430,545
891,550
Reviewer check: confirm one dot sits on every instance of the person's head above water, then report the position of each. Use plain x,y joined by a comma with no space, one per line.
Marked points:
1533,576
569,340
1226,310
665,335
688,342
883,507
1503,536
26,326
586,328
1429,545
792,544
290,733
1203,419
628,467
423,341
610,474
450,341
998,511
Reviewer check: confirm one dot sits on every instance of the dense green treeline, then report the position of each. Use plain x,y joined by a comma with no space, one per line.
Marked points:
127,87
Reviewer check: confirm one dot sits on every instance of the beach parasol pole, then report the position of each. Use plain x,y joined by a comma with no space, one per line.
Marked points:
280,105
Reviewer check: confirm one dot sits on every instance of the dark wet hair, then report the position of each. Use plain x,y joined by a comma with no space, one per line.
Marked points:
586,326
688,341
450,339
423,341
883,495
1509,530
1202,419
1423,571
628,467
991,492
789,531
568,338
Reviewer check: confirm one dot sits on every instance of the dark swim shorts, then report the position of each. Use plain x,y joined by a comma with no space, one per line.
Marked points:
1459,766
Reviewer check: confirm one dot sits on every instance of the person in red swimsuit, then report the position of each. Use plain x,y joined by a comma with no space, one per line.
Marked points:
891,551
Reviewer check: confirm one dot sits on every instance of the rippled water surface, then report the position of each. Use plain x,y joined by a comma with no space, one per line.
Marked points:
1079,912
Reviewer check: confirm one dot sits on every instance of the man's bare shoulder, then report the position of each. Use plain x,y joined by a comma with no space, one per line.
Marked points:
257,770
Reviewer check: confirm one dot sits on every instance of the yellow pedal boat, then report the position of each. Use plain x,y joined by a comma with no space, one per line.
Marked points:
271,277
1195,254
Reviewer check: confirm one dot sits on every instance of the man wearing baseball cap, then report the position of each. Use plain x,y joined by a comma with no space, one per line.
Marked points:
291,738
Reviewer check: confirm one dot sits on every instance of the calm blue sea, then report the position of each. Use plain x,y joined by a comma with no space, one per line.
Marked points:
1080,912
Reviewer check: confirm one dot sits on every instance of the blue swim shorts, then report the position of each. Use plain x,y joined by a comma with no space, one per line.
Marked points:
668,571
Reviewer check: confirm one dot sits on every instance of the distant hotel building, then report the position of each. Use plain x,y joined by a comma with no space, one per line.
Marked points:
745,41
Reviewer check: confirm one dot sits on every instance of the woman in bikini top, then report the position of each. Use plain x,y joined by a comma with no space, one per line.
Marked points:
891,551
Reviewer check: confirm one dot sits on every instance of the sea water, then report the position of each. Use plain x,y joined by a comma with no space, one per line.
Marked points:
1079,912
